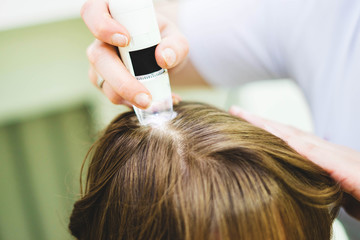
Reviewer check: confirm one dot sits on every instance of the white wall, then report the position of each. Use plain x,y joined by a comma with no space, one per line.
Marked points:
30,12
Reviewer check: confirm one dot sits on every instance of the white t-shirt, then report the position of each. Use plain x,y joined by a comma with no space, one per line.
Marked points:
314,42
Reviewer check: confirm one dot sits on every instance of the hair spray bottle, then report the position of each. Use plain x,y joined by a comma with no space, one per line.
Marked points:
138,17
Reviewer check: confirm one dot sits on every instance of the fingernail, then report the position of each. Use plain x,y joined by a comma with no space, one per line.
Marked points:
143,100
119,40
169,56
176,101
235,110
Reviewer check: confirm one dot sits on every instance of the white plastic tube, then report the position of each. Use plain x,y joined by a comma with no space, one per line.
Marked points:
138,17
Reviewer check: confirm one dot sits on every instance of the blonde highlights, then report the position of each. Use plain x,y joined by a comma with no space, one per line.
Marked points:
207,175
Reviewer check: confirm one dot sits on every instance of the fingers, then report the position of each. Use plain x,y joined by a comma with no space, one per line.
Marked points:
265,124
342,163
98,19
120,86
173,48
105,88
119,83
306,144
176,99
171,51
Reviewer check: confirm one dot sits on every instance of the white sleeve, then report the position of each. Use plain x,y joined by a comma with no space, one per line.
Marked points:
234,41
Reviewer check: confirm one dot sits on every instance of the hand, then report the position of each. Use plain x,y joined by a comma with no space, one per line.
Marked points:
342,163
120,86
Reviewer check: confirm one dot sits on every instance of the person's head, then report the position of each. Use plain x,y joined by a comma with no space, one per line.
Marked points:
203,175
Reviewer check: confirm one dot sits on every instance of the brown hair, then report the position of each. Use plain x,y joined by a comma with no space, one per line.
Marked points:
203,175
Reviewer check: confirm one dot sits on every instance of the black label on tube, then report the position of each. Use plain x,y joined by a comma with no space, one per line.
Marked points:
144,61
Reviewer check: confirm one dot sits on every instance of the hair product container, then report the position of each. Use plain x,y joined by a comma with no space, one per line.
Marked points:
138,17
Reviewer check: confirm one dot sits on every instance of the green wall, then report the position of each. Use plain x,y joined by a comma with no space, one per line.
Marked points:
45,127
42,67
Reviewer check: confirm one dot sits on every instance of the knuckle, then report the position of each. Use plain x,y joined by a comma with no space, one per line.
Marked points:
309,147
91,75
93,53
184,41
100,30
115,99
84,9
183,44
186,45
290,140
186,48
127,87
121,88
308,150
113,96
295,131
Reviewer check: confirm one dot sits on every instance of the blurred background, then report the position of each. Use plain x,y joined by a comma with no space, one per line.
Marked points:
50,113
